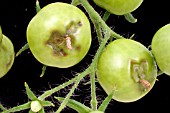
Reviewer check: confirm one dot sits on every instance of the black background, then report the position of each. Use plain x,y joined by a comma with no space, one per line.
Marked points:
14,18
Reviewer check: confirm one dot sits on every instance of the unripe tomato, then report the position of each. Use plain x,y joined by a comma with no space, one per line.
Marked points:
6,54
161,47
96,112
59,35
127,67
119,7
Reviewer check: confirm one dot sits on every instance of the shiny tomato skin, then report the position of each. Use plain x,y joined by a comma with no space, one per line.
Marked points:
59,35
119,7
7,55
161,47
127,67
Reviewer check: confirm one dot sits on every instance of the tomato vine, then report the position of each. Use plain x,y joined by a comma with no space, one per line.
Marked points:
105,35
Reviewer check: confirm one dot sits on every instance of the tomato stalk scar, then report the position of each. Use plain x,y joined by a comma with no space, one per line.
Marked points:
68,42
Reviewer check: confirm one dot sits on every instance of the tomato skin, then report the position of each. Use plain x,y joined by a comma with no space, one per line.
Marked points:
7,55
160,48
119,7
49,30
97,112
116,69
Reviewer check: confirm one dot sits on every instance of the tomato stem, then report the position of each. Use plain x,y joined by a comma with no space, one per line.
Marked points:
79,78
96,19
2,107
93,90
79,107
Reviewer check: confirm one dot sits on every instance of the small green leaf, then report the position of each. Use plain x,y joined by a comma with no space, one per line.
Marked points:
41,111
25,47
47,103
75,2
30,111
18,108
106,16
30,94
79,107
105,103
38,8
129,17
43,70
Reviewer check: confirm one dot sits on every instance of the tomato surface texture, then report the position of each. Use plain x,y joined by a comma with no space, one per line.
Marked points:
161,47
127,67
59,35
7,55
119,7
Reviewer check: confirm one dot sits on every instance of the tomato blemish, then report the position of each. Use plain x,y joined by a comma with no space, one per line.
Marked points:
68,42
138,72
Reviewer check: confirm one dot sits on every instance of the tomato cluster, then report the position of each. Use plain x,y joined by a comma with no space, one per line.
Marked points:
62,40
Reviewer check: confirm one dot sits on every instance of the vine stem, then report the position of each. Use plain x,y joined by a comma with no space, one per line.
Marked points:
96,19
50,92
79,78
94,102
2,107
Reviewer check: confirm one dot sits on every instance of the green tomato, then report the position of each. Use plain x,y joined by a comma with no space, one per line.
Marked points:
119,7
127,67
59,35
97,112
7,54
160,48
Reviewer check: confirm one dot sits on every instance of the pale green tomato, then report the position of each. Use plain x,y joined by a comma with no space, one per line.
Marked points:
128,68
59,35
161,48
7,55
96,112
119,7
